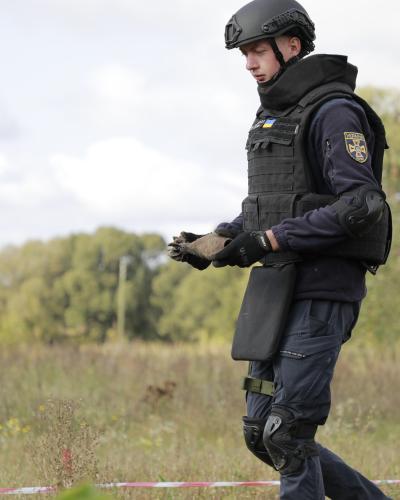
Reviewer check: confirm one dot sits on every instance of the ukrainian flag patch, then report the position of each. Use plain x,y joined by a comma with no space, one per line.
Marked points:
269,122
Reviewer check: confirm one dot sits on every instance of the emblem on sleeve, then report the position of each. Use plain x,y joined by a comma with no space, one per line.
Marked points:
356,146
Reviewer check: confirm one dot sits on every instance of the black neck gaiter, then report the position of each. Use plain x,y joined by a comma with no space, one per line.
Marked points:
300,77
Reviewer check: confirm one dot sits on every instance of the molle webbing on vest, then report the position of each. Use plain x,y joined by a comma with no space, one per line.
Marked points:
280,179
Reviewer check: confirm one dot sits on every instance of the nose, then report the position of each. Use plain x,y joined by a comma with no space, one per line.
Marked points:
251,62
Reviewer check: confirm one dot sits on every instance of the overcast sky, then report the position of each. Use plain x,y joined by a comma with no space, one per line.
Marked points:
132,113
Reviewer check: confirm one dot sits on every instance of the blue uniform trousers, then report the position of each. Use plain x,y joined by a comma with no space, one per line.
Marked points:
302,372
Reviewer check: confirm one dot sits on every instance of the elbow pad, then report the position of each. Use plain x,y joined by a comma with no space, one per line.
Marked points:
359,210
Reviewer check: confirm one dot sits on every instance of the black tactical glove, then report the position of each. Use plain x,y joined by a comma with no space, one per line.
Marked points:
244,250
227,230
176,253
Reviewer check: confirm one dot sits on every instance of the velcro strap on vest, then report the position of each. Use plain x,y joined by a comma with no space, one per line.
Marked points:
258,386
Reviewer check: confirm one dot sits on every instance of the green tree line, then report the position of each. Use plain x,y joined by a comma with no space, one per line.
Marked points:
69,289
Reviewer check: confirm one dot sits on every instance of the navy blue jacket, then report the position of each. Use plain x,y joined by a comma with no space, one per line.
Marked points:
335,172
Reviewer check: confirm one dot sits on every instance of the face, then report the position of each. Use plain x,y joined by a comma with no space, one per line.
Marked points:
261,60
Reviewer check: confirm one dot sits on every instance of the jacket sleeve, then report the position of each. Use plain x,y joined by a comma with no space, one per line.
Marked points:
336,172
235,227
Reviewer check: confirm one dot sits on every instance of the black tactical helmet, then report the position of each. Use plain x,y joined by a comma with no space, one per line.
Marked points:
267,19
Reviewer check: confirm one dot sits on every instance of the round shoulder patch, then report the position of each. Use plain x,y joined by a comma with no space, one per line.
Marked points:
356,146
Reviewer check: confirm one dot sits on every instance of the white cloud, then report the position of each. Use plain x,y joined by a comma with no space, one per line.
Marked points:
121,176
118,83
4,166
30,192
21,188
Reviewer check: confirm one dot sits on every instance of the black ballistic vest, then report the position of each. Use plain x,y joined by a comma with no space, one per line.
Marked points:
279,173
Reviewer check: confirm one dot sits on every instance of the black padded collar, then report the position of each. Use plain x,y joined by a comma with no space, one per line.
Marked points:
302,77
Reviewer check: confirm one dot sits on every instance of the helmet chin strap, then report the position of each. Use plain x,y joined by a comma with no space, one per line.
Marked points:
283,64
277,52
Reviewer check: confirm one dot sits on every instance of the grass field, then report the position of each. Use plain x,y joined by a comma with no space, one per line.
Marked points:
147,412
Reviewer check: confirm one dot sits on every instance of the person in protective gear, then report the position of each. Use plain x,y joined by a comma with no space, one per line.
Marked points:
315,207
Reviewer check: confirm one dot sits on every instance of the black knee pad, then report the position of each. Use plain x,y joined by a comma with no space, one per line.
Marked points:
253,429
288,441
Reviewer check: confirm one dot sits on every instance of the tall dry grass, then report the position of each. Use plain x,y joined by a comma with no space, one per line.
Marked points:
147,412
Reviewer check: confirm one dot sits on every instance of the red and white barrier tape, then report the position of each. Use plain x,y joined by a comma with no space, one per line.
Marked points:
50,489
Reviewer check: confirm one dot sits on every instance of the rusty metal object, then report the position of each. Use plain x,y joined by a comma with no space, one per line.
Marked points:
205,247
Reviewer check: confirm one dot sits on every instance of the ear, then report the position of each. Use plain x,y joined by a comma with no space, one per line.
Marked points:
294,46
